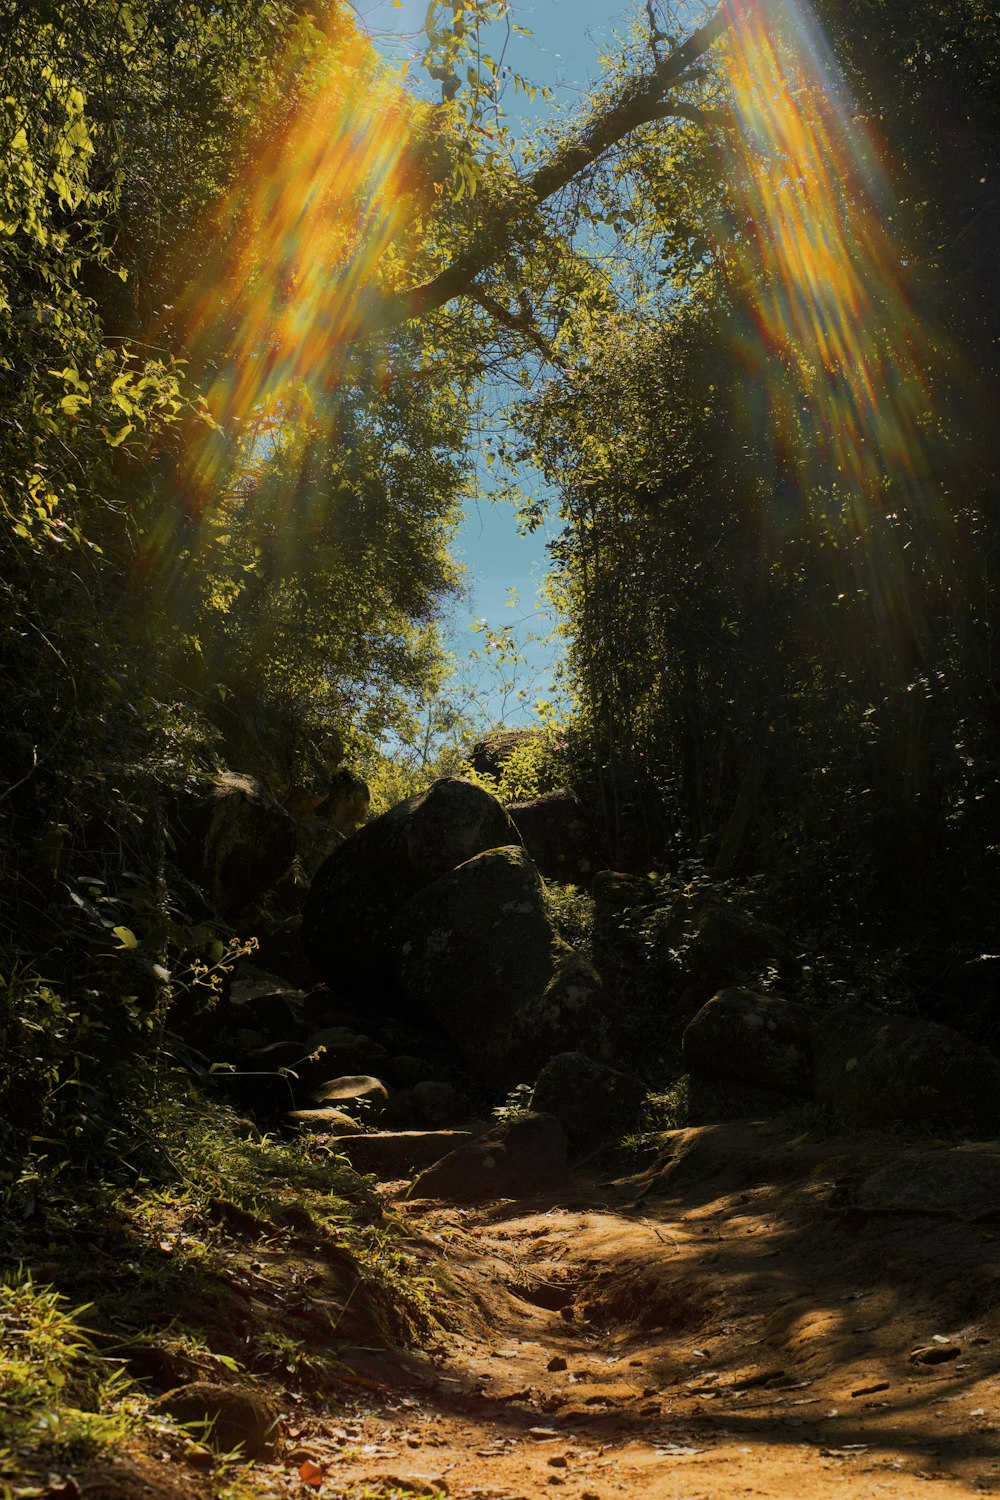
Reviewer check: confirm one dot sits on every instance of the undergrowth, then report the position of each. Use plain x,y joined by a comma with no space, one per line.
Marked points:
58,1397
212,1251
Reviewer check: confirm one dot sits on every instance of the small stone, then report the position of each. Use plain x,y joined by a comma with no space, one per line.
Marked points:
236,1417
557,1461
355,1093
326,1121
198,1457
935,1354
556,1363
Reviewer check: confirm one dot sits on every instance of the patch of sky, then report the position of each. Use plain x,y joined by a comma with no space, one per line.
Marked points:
506,567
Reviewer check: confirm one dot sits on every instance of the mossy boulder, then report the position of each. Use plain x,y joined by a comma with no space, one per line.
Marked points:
559,836
519,1156
232,839
877,1070
478,952
761,1040
595,1104
358,891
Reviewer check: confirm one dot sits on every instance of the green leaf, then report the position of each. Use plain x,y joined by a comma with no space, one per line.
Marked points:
126,937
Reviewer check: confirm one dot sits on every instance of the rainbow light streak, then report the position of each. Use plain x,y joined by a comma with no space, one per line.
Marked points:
822,273
327,209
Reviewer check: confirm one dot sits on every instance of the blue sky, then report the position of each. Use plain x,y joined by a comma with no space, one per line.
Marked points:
562,53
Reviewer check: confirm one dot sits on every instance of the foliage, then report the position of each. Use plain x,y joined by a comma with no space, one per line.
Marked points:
800,673
571,912
56,1395
149,640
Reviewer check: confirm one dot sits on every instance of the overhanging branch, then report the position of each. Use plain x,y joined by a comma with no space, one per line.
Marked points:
635,103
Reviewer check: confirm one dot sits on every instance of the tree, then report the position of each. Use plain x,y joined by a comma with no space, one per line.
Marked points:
779,554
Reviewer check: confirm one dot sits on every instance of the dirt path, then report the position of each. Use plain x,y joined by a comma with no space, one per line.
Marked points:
742,1319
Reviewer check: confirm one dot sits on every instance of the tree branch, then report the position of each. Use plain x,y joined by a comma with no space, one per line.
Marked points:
636,102
525,324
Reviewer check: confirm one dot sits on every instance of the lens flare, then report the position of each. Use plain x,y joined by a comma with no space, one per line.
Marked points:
846,352
325,213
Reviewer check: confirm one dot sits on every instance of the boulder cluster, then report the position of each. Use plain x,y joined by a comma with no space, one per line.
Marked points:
437,984
439,901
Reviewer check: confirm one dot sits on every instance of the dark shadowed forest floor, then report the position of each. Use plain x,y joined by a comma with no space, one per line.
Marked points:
763,1310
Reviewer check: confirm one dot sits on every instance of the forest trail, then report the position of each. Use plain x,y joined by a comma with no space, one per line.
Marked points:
741,1318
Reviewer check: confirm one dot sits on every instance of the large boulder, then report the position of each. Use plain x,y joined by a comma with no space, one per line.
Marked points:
593,1103
559,836
269,739
490,754
746,1038
519,1156
392,1154
358,890
233,840
875,1070
726,943
479,954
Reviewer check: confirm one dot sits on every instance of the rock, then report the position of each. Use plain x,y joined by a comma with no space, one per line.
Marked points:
336,1052
391,1154
593,1103
478,953
233,840
559,837
618,896
744,1037
728,944
872,1069
315,842
405,1071
326,1121
438,1103
348,803
490,754
241,1417
359,1094
520,1156
961,1182
263,1002
573,1011
357,892
274,1056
